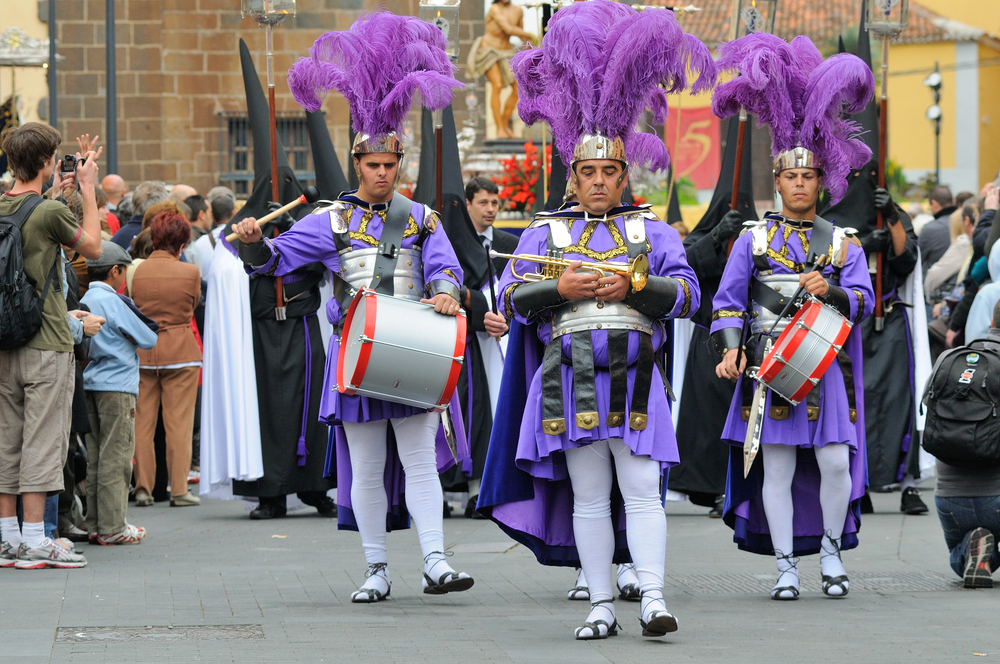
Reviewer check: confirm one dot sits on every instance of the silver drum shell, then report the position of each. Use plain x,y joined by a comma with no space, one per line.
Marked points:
357,267
593,315
763,319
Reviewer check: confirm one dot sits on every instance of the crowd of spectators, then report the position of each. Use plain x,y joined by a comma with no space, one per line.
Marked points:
117,275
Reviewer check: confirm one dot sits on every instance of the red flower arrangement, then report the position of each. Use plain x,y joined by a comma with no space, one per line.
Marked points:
517,184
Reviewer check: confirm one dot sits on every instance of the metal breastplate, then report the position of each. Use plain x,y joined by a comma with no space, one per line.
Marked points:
593,315
357,267
763,319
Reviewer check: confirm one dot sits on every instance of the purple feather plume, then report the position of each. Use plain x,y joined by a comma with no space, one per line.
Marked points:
377,65
842,84
600,66
801,97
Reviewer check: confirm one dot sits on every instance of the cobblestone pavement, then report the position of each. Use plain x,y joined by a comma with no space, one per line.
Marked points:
210,585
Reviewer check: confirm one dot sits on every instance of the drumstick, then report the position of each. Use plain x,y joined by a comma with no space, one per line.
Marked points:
310,195
788,305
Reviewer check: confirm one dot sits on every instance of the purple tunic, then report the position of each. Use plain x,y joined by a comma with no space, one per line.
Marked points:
311,240
525,484
536,450
744,510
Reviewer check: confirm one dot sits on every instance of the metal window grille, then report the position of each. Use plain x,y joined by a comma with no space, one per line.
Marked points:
236,149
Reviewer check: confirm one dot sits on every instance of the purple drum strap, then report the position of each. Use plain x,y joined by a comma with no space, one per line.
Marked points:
302,453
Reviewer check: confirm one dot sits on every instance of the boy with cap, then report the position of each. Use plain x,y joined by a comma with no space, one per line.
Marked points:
111,383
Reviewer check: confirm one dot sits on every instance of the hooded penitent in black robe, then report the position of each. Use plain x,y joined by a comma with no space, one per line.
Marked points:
705,398
890,409
472,255
283,349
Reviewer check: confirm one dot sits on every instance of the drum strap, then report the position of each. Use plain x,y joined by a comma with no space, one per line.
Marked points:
819,241
584,386
553,418
618,366
390,243
767,297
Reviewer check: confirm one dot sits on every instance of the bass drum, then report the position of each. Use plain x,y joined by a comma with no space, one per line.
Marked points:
804,351
400,350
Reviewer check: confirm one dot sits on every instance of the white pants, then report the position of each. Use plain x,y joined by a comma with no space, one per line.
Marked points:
834,461
590,470
415,443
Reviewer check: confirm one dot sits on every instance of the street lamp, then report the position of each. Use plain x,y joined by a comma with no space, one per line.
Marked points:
750,16
933,81
269,13
442,14
886,18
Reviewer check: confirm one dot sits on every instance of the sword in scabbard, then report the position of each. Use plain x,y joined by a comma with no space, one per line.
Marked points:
449,433
751,444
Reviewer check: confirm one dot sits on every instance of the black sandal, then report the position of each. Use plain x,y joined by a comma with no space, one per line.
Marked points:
831,582
371,595
595,626
449,582
661,622
779,593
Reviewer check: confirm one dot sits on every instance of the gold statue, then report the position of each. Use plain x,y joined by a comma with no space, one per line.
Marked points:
490,57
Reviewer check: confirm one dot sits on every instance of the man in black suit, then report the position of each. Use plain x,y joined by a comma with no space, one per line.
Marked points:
484,357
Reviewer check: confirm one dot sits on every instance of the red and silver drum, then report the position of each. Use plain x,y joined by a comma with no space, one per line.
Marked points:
804,351
400,350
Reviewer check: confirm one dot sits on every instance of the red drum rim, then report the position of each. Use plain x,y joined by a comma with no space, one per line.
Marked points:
456,364
364,354
771,366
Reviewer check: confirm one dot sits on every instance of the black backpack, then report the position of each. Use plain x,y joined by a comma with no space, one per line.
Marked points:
20,308
962,398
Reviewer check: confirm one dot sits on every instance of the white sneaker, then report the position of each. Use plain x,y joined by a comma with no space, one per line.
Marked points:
48,554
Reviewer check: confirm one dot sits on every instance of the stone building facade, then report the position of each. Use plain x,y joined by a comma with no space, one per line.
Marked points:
179,79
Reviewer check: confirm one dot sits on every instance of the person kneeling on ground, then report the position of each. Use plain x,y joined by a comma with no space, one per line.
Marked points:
968,504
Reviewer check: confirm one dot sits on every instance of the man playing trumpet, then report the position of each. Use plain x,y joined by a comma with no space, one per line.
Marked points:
584,399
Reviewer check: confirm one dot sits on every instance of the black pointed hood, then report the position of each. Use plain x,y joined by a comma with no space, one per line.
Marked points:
673,205
455,216
557,181
257,115
330,178
857,209
722,198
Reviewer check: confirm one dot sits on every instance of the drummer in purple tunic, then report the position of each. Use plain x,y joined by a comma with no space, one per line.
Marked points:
583,401
377,238
802,496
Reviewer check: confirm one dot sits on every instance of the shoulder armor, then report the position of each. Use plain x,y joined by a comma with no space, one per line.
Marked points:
431,219
558,228
340,215
635,227
841,238
758,232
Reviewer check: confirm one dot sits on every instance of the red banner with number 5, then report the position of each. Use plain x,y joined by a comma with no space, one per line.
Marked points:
695,145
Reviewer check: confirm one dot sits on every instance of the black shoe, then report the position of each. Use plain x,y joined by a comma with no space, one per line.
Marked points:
324,504
470,509
866,504
447,510
268,510
716,511
911,503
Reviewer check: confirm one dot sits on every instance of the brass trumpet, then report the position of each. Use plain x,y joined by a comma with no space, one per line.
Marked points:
637,270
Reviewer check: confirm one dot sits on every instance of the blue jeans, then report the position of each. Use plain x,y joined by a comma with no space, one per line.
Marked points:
959,517
51,516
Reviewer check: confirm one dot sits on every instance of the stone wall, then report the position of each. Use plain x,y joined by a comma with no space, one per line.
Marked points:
178,70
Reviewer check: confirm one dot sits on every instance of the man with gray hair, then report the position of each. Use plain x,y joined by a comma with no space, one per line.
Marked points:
145,195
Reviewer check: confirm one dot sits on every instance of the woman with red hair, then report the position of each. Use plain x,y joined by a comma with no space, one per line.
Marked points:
167,291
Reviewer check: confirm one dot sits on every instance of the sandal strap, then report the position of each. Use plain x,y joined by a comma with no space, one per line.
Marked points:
836,546
602,601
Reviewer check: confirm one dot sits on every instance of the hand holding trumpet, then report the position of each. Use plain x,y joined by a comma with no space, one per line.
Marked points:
588,285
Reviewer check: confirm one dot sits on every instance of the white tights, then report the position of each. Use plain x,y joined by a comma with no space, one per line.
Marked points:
834,463
415,444
639,480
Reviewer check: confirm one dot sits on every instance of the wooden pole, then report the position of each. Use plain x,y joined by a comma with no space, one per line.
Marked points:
279,291
438,161
738,171
883,122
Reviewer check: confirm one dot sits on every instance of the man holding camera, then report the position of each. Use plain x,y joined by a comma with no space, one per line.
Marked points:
37,377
